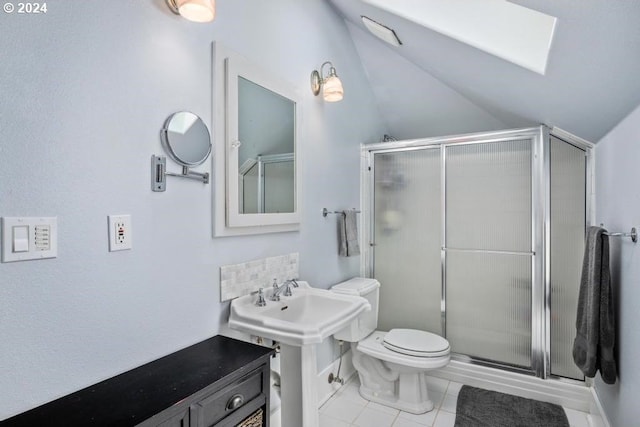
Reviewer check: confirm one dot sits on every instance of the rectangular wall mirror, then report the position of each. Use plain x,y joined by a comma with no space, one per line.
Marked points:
261,149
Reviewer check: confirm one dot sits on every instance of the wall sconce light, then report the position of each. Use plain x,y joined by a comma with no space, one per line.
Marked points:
331,85
194,10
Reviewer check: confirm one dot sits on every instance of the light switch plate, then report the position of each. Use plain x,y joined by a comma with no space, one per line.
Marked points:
42,238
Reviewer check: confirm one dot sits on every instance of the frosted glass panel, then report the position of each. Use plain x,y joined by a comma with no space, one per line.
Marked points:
568,188
279,185
489,196
488,208
489,306
407,236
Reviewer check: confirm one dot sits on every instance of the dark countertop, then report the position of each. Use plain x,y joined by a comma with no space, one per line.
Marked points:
138,394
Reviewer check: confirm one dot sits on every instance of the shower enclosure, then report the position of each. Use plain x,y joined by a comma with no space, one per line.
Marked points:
479,238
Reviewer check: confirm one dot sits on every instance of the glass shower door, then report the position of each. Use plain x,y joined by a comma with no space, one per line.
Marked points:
488,250
406,231
568,222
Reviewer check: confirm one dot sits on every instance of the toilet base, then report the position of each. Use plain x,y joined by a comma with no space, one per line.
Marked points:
412,395
394,379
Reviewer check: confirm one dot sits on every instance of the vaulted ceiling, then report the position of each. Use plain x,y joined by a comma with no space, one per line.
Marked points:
434,85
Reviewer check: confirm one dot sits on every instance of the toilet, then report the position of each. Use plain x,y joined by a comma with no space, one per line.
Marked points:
391,365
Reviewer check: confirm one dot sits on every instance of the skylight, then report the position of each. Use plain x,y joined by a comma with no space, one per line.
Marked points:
509,31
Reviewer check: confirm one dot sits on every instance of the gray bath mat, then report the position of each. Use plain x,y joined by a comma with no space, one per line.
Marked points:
484,408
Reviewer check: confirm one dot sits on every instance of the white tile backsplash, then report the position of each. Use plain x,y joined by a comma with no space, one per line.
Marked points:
241,279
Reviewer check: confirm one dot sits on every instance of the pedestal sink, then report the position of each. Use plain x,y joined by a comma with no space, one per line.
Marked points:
298,322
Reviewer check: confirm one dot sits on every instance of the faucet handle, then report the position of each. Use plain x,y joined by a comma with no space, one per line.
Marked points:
287,288
275,293
260,302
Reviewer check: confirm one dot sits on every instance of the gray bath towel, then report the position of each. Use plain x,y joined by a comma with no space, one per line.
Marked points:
595,324
348,229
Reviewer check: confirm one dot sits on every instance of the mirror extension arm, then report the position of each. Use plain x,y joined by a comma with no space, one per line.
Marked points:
159,174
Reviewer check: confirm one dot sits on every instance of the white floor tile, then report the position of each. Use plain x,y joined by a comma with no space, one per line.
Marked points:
425,419
327,421
329,400
436,397
449,403
445,419
351,393
370,417
275,419
454,388
437,384
343,409
576,418
383,408
403,422
595,420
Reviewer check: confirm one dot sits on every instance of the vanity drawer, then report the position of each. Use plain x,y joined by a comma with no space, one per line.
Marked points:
220,404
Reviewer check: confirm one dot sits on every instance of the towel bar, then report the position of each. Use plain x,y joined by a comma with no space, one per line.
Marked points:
326,212
633,234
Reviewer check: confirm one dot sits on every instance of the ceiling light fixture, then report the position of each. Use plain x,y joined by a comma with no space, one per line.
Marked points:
331,85
194,10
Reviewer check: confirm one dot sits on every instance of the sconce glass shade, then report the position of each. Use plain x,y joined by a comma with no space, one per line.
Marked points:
332,89
331,85
194,10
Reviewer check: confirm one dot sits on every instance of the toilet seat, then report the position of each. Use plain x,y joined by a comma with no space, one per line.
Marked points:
374,347
417,343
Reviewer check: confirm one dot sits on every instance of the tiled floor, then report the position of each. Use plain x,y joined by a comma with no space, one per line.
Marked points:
348,409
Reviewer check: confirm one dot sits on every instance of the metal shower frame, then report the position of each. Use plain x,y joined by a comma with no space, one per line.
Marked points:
540,223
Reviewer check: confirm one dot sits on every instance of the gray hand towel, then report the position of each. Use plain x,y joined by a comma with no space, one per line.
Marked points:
595,324
348,232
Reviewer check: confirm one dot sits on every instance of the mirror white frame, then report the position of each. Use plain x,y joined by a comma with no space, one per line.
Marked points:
227,219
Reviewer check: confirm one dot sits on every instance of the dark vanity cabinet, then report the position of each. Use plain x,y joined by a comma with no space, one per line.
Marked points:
238,402
220,382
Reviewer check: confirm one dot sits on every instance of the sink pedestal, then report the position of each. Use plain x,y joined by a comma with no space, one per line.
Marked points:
298,390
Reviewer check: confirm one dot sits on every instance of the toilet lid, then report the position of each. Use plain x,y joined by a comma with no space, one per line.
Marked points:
416,343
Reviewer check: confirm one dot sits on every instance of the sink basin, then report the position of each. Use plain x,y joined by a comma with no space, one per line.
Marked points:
307,317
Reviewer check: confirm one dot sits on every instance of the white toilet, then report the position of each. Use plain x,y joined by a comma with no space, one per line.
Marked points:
391,365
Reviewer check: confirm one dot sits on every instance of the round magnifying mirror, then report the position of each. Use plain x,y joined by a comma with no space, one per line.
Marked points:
186,139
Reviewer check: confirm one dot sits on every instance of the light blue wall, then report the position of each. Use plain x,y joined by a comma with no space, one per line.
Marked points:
618,207
85,90
414,103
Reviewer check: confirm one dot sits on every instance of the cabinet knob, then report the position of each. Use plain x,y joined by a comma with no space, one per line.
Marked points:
235,402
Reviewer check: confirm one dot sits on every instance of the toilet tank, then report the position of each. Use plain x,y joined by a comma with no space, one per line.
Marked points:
367,322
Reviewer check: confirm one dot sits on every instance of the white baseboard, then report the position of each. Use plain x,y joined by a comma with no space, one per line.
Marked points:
597,417
326,390
570,395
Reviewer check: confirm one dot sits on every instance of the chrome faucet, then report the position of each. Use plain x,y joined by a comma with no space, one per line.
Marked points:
293,282
284,289
275,294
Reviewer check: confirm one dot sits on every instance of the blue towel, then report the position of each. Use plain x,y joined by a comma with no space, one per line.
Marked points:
595,322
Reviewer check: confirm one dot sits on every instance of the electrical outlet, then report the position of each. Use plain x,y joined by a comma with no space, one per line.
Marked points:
120,232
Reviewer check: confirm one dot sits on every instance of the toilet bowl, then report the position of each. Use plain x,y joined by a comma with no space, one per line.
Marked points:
392,365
